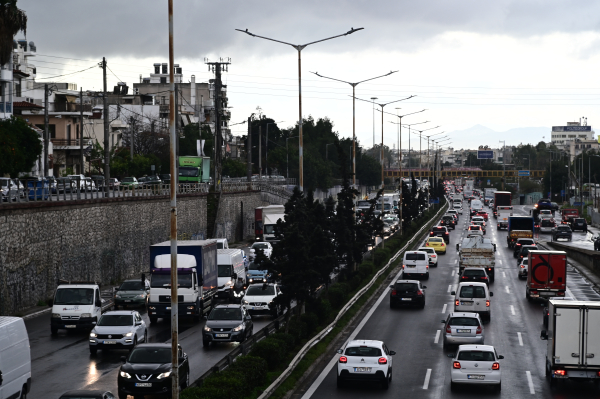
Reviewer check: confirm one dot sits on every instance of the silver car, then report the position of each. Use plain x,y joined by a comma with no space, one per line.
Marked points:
119,329
463,328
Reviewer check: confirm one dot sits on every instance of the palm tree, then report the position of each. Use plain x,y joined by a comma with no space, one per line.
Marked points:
12,20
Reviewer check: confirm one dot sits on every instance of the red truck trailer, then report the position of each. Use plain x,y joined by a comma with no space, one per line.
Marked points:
546,274
569,214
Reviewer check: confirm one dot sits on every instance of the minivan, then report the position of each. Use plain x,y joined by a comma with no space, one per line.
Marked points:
473,297
476,206
415,264
231,273
15,358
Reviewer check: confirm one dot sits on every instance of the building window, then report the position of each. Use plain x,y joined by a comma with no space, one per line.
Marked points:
163,80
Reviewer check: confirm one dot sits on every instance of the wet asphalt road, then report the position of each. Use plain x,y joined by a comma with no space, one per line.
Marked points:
514,330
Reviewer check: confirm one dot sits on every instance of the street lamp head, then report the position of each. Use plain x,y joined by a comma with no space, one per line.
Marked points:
246,32
352,30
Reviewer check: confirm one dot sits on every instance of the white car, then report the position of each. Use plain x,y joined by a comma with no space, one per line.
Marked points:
258,299
476,365
433,260
545,214
365,360
523,268
453,212
473,297
265,246
118,329
458,208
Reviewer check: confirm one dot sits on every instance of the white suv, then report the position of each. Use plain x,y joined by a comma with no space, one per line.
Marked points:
473,297
477,365
258,299
365,360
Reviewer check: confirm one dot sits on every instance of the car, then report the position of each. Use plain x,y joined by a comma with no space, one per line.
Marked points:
480,223
453,212
15,358
227,323
547,311
523,252
458,208
546,225
259,299
142,180
476,365
473,297
483,214
79,181
520,242
415,263
448,221
440,231
437,243
153,180
523,268
9,190
131,292
98,181
365,361
147,371
463,328
114,183
555,206
51,184
166,178
545,214
475,230
65,185
129,182
477,274
433,260
118,329
265,246
579,224
87,394
387,229
562,231
407,292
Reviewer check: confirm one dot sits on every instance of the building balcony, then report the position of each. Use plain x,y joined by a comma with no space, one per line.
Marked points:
70,144
71,107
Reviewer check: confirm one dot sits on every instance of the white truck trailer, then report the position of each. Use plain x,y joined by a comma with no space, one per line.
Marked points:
476,251
504,212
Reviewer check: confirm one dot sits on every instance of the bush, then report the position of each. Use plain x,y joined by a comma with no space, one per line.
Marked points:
380,256
365,269
338,295
270,350
312,321
289,339
297,329
254,369
226,384
322,308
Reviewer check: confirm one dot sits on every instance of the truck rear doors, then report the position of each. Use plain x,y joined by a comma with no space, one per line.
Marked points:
576,338
547,272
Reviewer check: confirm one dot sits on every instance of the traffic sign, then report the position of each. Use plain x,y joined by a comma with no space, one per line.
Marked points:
488,182
523,173
485,154
562,193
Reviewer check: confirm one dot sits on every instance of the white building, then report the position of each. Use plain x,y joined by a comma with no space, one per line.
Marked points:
562,136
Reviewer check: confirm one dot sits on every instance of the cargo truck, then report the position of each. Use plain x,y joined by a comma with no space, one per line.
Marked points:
569,214
573,349
488,195
546,274
504,212
519,227
194,169
265,222
476,251
501,198
468,190
196,279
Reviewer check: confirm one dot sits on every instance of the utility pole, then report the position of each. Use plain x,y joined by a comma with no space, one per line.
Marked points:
260,151
177,129
131,136
82,171
106,127
46,126
249,151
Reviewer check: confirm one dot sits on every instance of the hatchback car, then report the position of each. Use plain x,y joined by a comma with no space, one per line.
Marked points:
483,214
473,297
129,182
147,371
260,299
476,274
520,242
463,328
265,246
227,323
453,212
546,225
118,329
365,361
87,394
433,260
562,231
523,268
132,292
476,365
579,224
407,292
440,231
437,244
474,230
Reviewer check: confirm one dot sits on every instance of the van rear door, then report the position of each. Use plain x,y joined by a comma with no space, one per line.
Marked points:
592,340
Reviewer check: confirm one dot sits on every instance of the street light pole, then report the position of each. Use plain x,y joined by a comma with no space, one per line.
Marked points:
373,101
503,161
409,149
267,147
299,48
287,161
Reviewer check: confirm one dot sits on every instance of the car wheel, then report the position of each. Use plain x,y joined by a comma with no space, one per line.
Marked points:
427,276
385,384
499,387
53,330
93,350
205,343
134,344
186,381
340,382
453,386
391,305
423,305
146,336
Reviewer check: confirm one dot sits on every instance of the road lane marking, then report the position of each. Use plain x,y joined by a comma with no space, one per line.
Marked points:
530,381
520,339
507,289
427,377
444,308
503,274
453,271
512,309
437,337
499,261
455,261
450,288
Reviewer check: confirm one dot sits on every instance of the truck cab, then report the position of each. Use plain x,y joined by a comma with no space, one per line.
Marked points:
76,306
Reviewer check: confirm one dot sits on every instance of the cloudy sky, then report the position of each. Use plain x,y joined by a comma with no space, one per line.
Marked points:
504,64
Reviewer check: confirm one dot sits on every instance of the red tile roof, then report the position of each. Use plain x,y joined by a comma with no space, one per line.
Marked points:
26,104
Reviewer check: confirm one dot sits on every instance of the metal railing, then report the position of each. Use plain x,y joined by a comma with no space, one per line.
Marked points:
71,142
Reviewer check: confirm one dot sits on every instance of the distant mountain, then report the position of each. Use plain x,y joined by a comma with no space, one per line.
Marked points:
478,135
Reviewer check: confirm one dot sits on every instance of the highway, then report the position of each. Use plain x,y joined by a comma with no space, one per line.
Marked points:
422,368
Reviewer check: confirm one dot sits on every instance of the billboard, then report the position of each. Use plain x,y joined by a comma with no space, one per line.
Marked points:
485,154
523,173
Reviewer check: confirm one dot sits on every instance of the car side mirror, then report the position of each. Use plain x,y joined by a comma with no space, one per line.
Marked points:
424,286
453,293
392,353
392,286
491,294
544,335
500,357
234,276
451,355
116,289
248,317
138,323
443,321
123,359
50,302
340,351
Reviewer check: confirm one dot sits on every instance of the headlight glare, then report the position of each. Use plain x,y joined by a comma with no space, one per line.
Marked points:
129,334
207,329
239,328
125,375
83,315
93,335
164,375
56,315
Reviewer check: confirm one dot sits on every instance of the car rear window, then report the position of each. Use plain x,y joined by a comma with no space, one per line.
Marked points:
547,223
473,273
410,287
363,351
410,256
472,292
479,356
474,227
439,229
435,239
463,321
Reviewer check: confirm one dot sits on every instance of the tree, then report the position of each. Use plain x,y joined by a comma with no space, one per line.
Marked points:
20,147
234,168
12,20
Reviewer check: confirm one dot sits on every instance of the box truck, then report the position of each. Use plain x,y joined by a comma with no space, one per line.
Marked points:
546,274
501,198
265,222
194,169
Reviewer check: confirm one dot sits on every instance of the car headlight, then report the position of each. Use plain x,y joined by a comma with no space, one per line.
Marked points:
129,334
118,296
93,335
83,315
245,302
56,315
239,328
141,296
125,375
207,329
163,375
152,307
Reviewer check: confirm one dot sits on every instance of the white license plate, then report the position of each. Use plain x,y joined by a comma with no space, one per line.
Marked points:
463,331
406,299
410,266
143,384
109,342
70,326
469,303
362,369
168,308
475,377
127,300
221,335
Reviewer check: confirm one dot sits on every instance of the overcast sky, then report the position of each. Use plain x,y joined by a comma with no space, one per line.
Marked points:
503,64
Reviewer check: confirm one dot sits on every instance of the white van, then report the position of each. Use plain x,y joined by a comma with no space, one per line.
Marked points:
76,306
15,358
415,263
231,272
473,297
476,206
222,243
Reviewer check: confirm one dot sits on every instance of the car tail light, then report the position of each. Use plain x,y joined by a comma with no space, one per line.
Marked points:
456,365
446,233
457,303
434,256
463,278
598,373
420,293
479,330
382,360
534,292
426,244
449,329
560,293
560,372
484,277
496,366
343,359
394,292
487,304
403,266
431,233
443,245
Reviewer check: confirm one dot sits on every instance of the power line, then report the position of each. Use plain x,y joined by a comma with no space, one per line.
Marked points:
66,74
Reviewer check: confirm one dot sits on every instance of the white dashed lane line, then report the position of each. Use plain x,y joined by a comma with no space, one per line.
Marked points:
427,377
450,288
507,289
512,310
437,337
444,308
530,381
520,339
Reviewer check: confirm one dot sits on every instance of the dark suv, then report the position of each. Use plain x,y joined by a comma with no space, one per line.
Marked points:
227,323
579,224
440,231
448,221
520,242
474,274
524,251
562,231
407,292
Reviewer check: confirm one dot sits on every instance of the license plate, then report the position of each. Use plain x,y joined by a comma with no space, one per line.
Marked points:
469,303
406,299
475,377
221,335
362,369
70,326
410,266
109,342
463,331
168,308
143,384
127,300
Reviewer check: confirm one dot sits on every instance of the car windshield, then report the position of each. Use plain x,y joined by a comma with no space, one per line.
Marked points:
564,228
428,250
132,286
410,287
186,171
260,246
472,292
474,227
116,320
524,250
480,356
150,355
256,290
74,296
4,183
474,273
439,229
463,321
363,351
269,229
164,280
225,314
224,271
525,242
579,220
414,256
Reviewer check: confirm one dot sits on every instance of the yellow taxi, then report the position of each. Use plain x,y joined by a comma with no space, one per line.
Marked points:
437,243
